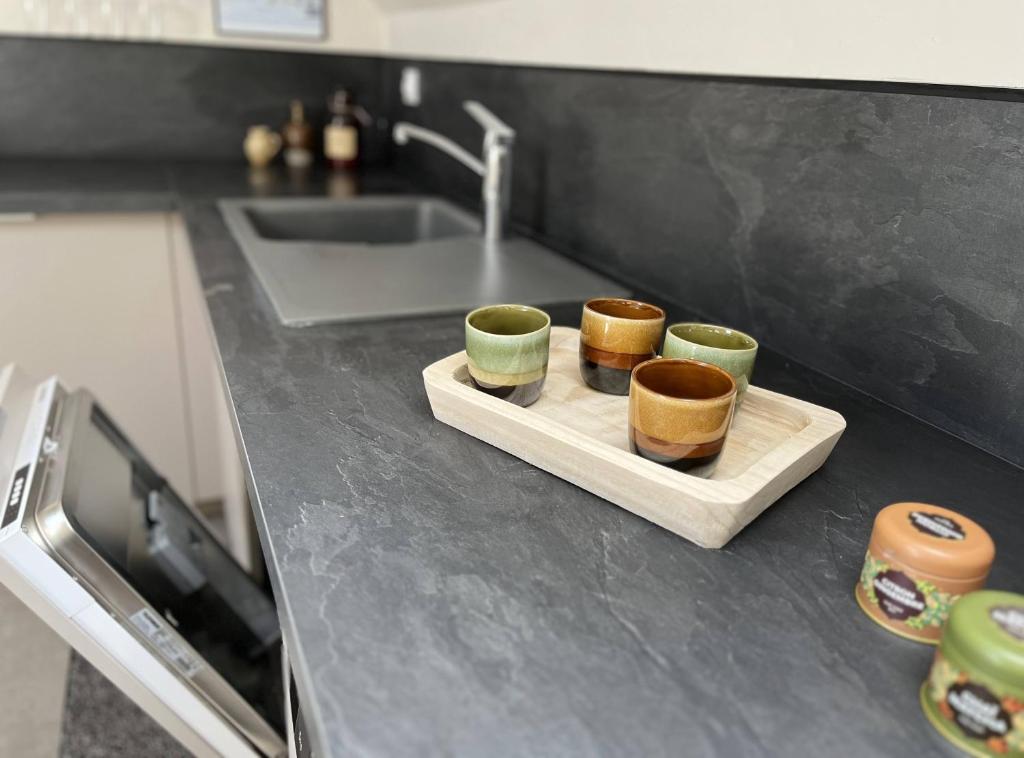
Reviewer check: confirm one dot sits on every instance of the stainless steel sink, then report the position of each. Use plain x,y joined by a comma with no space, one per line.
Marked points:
322,259
374,221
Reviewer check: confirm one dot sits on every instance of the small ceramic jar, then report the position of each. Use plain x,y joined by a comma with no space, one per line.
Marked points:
261,145
974,694
920,560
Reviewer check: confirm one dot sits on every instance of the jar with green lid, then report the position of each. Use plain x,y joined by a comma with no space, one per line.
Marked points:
974,694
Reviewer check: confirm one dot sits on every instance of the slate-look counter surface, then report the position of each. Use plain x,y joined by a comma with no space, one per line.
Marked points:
441,597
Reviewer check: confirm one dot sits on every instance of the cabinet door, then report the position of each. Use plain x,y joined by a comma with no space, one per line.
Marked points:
91,299
219,477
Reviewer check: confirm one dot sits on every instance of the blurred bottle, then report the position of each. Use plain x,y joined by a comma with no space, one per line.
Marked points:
341,134
298,138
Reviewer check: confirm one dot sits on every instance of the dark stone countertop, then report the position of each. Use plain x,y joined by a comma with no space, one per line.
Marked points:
441,597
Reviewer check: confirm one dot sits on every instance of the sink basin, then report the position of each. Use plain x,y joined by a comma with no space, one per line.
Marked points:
323,259
376,221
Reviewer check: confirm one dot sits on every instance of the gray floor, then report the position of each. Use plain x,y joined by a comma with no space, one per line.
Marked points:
101,722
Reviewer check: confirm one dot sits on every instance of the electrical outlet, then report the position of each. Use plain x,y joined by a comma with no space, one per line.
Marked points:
410,87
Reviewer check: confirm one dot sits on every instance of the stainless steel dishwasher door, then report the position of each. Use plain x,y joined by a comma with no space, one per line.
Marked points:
85,511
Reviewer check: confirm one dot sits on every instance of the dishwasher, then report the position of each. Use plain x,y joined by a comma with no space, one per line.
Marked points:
97,544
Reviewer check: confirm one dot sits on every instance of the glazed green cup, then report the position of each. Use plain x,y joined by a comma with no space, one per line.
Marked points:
507,351
718,345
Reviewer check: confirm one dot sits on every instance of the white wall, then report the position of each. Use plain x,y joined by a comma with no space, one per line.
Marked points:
937,41
352,25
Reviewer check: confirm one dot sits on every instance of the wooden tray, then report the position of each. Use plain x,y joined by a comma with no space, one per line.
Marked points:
579,434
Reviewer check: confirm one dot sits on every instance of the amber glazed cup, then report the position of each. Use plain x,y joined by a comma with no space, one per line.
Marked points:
615,336
679,413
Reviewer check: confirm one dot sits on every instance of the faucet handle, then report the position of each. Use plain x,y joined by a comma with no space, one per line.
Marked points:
491,123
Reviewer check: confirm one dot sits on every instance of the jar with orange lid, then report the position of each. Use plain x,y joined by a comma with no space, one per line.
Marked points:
920,560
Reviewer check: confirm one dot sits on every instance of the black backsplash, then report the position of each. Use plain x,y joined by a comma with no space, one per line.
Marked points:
876,236
118,100
873,234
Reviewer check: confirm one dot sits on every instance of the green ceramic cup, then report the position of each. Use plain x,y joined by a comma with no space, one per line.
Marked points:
723,347
507,351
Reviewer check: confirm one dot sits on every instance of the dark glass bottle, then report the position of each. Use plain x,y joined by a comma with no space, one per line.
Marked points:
298,138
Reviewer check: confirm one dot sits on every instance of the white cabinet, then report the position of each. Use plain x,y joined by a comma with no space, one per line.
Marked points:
113,303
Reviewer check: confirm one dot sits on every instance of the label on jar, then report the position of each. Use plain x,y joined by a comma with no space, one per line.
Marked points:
917,603
977,711
937,525
1010,619
897,595
341,143
972,712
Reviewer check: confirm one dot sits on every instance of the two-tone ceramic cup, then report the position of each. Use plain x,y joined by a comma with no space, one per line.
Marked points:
615,336
719,345
507,351
679,413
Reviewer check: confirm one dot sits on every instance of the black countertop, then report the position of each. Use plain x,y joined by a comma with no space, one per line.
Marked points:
439,596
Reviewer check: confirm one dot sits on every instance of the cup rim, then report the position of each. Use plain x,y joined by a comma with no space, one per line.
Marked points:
659,309
516,306
754,345
686,400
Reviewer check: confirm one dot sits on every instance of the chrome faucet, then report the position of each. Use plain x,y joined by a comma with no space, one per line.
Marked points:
495,168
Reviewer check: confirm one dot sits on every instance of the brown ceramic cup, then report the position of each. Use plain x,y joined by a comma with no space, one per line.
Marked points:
679,413
615,336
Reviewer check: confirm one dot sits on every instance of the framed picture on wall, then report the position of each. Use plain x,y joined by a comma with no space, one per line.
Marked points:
305,19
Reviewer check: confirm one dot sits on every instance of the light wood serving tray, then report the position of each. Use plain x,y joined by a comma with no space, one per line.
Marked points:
579,434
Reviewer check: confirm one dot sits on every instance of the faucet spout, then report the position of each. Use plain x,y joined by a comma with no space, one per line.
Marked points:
405,131
495,168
